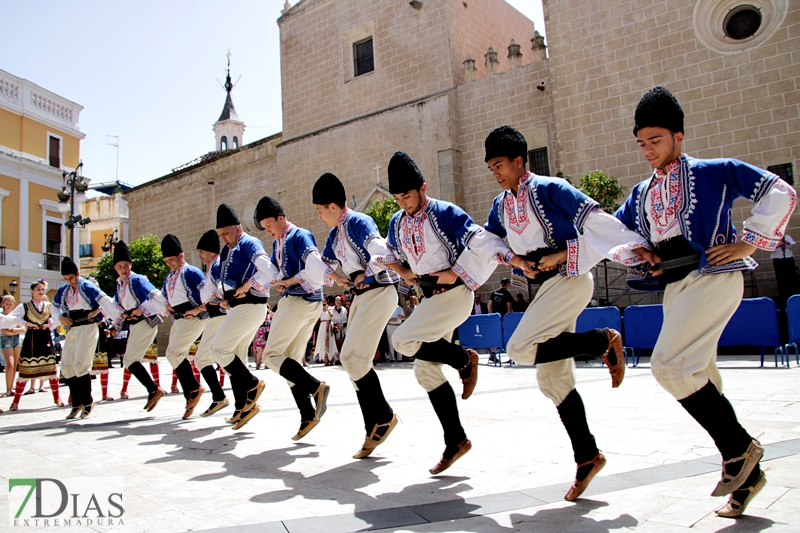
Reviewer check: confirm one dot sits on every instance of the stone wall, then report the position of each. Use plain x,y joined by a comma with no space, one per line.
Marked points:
184,203
490,23
352,151
411,55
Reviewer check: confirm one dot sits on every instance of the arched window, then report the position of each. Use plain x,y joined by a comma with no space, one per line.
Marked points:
235,142
223,143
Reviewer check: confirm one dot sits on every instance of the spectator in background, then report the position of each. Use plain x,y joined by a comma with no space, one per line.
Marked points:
501,300
785,270
11,346
394,322
412,304
260,341
338,322
325,349
479,308
519,305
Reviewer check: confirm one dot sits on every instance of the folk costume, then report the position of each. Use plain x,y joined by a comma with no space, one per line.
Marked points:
137,293
432,240
352,244
238,266
683,211
325,349
211,295
547,215
295,255
182,292
37,359
339,319
76,303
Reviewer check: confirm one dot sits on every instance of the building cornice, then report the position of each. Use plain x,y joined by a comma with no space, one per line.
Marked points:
27,99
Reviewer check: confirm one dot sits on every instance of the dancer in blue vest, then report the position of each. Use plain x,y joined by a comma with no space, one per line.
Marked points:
352,241
297,270
685,210
182,292
427,238
142,307
243,281
211,295
78,305
556,235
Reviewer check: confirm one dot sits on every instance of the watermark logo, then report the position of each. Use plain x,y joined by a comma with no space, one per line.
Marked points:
49,502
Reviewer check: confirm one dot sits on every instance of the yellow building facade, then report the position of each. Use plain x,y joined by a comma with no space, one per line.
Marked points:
39,139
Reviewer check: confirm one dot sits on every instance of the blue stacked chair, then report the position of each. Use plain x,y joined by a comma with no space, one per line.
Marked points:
755,323
793,320
642,327
510,323
482,332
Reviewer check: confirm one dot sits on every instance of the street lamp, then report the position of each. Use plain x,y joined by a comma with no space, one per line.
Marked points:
13,286
73,183
110,241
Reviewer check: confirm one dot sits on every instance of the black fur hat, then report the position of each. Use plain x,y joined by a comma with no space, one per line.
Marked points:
171,246
404,174
658,108
268,207
226,216
121,253
328,190
505,141
209,242
68,266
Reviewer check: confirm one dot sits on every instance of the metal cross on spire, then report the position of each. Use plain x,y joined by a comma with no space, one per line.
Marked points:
228,84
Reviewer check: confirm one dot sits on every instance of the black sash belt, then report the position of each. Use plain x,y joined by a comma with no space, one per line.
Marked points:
180,309
429,284
678,258
373,285
246,299
214,310
152,321
536,256
80,317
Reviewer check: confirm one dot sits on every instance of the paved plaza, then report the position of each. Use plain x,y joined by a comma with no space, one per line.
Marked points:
198,474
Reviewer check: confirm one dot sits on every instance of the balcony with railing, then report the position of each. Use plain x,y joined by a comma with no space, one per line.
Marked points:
2,256
52,261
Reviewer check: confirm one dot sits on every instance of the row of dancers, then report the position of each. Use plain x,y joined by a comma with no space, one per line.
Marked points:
674,232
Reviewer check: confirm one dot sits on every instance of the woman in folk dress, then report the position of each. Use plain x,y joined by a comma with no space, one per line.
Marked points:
325,349
37,359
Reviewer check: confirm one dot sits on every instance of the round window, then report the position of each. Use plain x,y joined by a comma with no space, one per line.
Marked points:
730,26
740,23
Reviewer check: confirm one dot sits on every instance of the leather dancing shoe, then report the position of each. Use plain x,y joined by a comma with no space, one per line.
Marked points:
446,462
471,378
734,508
617,371
379,434
191,403
597,462
730,483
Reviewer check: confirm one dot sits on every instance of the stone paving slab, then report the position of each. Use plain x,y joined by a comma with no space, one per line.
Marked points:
198,474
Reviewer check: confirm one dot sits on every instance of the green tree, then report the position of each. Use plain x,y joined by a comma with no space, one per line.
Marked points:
381,212
146,258
604,189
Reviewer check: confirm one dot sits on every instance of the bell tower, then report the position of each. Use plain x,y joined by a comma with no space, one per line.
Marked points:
228,129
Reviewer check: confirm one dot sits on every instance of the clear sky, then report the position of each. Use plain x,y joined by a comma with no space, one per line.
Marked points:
147,71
